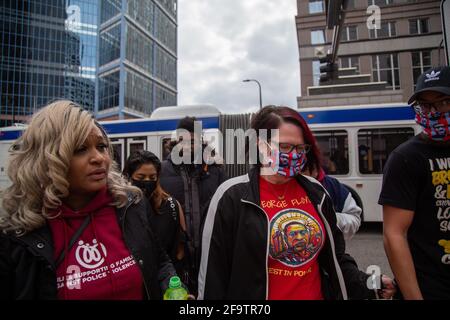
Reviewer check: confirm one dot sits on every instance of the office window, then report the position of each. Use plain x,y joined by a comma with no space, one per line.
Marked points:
349,62
110,45
349,33
316,72
316,6
418,26
163,97
421,62
385,68
109,91
138,92
142,12
165,67
317,36
109,9
380,3
387,29
139,49
350,4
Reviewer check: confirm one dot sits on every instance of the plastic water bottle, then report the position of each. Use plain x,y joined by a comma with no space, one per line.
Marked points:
175,290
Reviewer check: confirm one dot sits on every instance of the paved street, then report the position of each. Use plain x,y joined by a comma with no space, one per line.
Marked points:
367,248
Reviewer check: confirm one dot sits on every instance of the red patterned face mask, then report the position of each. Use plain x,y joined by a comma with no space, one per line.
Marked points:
436,124
287,164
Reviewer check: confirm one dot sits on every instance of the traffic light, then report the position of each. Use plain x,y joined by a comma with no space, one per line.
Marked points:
328,71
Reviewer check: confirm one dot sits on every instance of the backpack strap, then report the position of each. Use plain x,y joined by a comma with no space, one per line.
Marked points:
74,238
173,208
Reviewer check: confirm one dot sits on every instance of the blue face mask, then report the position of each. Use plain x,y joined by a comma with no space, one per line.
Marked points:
436,124
287,164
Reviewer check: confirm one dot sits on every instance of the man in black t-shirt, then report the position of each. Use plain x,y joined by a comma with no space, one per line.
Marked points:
416,195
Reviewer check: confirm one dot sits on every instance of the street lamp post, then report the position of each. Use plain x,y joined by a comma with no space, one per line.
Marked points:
259,85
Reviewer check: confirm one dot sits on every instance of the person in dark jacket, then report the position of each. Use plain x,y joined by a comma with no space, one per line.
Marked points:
143,169
192,180
272,233
72,227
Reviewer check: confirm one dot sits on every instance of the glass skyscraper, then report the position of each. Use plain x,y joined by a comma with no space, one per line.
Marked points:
116,58
48,52
137,57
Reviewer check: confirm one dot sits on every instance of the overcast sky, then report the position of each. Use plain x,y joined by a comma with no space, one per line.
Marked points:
222,42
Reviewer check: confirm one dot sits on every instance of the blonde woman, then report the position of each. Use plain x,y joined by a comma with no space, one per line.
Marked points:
72,227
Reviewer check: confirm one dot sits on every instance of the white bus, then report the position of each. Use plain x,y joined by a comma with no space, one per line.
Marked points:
355,141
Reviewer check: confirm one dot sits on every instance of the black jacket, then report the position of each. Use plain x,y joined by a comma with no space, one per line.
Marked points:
235,245
193,186
27,267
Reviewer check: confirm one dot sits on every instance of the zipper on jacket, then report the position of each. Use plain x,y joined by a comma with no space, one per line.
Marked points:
130,202
143,279
333,251
267,244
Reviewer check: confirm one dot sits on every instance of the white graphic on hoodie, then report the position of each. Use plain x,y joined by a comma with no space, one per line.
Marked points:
89,256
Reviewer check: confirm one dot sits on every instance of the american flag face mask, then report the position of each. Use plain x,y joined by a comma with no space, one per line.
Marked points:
435,124
287,164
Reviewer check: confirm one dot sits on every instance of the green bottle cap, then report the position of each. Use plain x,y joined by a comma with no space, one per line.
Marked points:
175,282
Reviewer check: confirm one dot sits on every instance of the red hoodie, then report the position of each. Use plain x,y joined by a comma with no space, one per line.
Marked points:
99,265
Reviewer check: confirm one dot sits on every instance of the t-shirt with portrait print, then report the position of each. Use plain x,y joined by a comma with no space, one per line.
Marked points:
297,235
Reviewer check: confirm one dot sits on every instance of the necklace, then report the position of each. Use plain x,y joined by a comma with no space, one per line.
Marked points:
280,197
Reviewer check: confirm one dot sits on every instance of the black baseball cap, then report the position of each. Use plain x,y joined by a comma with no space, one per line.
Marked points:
435,79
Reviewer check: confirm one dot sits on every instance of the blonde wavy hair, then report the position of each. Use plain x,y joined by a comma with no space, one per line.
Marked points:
39,163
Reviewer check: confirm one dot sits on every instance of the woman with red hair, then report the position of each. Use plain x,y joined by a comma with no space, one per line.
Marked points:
272,233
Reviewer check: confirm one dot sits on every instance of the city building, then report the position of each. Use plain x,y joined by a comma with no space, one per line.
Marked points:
376,65
116,58
48,52
137,57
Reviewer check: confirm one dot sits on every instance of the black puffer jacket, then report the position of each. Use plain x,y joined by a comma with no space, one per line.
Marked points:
235,245
27,267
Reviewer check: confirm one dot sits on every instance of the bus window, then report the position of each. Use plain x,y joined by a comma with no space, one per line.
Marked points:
117,145
166,146
334,148
375,145
136,144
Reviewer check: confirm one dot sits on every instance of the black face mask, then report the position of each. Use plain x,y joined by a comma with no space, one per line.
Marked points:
146,186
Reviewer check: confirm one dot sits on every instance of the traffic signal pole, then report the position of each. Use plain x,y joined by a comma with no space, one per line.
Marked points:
445,17
335,20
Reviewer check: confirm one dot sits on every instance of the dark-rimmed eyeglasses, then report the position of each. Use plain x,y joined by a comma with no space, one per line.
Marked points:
435,106
299,148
